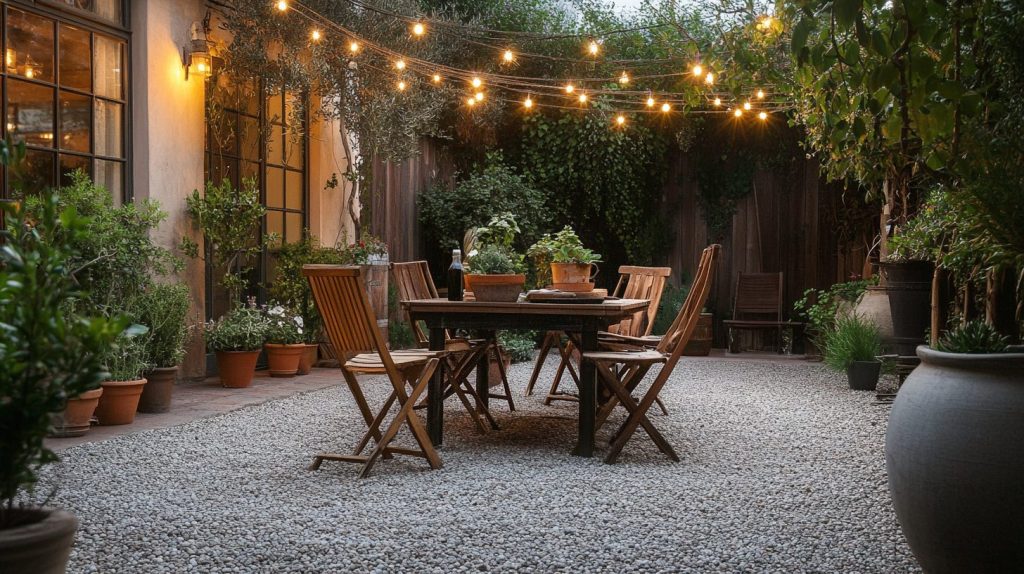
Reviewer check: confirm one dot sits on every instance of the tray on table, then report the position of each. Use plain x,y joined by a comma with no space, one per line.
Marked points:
594,297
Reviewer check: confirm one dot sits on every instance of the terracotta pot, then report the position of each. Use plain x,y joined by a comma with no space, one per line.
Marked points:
119,402
572,273
493,373
699,344
236,368
41,545
156,395
873,307
308,359
498,288
955,458
283,360
77,415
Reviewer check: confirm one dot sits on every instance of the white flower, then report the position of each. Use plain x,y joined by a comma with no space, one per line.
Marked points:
277,311
298,321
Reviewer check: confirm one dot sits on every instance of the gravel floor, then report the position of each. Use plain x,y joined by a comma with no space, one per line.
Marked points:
783,471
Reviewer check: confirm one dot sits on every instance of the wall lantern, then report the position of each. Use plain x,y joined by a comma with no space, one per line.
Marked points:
196,56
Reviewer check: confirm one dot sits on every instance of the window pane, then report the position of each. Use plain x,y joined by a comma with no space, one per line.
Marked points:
222,168
292,109
109,175
109,67
275,223
293,227
250,170
107,9
35,173
71,163
75,62
250,137
293,149
30,113
75,122
275,145
109,129
293,185
275,187
224,133
275,108
29,45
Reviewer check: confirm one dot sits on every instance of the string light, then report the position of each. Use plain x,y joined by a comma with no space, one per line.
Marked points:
569,88
282,5
709,78
476,82
315,35
624,78
401,85
737,112
479,96
470,102
528,102
666,107
650,102
620,119
418,29
760,94
594,48
400,65
583,98
353,47
437,78
746,106
698,70
718,102
765,23
508,56
762,116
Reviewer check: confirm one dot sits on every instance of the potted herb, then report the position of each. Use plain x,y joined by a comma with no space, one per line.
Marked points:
496,274
285,341
853,346
237,339
46,356
572,265
126,361
164,311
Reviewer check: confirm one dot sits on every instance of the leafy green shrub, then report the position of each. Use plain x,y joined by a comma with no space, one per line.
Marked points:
164,310
291,288
518,344
819,307
128,358
672,299
446,214
284,326
492,260
853,339
240,329
975,337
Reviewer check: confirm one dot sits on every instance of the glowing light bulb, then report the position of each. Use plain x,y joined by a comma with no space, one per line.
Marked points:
709,78
624,78
418,29
650,102
476,82
583,98
665,107
201,67
698,70
762,116
593,48
400,65
760,94
621,120
479,96
437,78
282,5
401,85
718,101
569,88
508,57
737,112
353,47
315,35
746,106
765,23
528,102
471,102
30,72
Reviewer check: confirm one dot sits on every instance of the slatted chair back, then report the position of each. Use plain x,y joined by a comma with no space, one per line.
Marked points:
686,320
413,281
758,296
640,283
348,318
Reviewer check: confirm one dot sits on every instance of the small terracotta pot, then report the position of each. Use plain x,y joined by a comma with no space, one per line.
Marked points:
77,415
119,402
283,360
493,373
572,273
498,288
308,359
236,368
156,395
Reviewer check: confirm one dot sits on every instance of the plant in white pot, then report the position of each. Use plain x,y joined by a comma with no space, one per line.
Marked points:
572,265
46,356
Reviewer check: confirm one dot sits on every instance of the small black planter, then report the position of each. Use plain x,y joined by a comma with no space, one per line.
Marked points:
909,285
863,375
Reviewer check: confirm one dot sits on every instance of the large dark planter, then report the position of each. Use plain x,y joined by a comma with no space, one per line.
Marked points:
863,375
909,285
955,461
158,392
41,546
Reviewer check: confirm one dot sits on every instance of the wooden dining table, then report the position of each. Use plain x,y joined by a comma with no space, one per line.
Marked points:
583,319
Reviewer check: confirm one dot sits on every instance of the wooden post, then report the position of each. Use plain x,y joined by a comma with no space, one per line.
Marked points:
937,319
991,297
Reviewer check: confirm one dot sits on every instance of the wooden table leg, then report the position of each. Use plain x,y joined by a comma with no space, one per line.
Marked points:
588,395
483,371
435,392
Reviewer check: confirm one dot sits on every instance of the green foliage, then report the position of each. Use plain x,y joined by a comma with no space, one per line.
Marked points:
447,214
564,247
602,180
284,326
672,299
853,339
722,182
500,231
164,310
240,329
493,260
290,286
820,308
365,251
974,337
518,344
230,220
46,354
400,334
128,358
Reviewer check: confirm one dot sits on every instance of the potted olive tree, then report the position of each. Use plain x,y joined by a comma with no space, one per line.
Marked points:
285,341
164,311
46,356
237,339
572,265
853,345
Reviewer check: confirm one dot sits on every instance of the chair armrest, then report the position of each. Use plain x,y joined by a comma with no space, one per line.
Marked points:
647,341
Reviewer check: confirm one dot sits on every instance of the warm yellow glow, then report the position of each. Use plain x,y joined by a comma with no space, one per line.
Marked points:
746,106
765,23
665,107
476,82
583,98
760,94
698,70
353,47
593,48
508,57
569,88
470,102
762,116
737,112
30,72
621,120
401,85
202,68
650,102
418,29
282,5
437,78
528,102
624,78
718,101
479,96
709,78
11,58
400,65
315,35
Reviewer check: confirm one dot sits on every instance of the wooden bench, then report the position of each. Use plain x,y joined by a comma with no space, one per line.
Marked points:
758,307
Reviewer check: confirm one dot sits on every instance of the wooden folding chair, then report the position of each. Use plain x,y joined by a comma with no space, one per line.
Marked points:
352,329
634,283
413,281
622,371
758,307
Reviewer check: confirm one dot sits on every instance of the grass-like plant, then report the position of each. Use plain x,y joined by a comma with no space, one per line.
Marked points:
974,337
852,339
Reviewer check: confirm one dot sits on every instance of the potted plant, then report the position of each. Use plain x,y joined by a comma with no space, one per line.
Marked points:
853,346
371,255
285,341
164,311
48,355
237,339
573,266
496,274
126,361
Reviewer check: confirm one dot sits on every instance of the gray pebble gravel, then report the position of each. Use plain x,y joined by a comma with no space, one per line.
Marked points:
783,470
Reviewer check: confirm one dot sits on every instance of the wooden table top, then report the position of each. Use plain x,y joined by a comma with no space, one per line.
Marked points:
607,308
